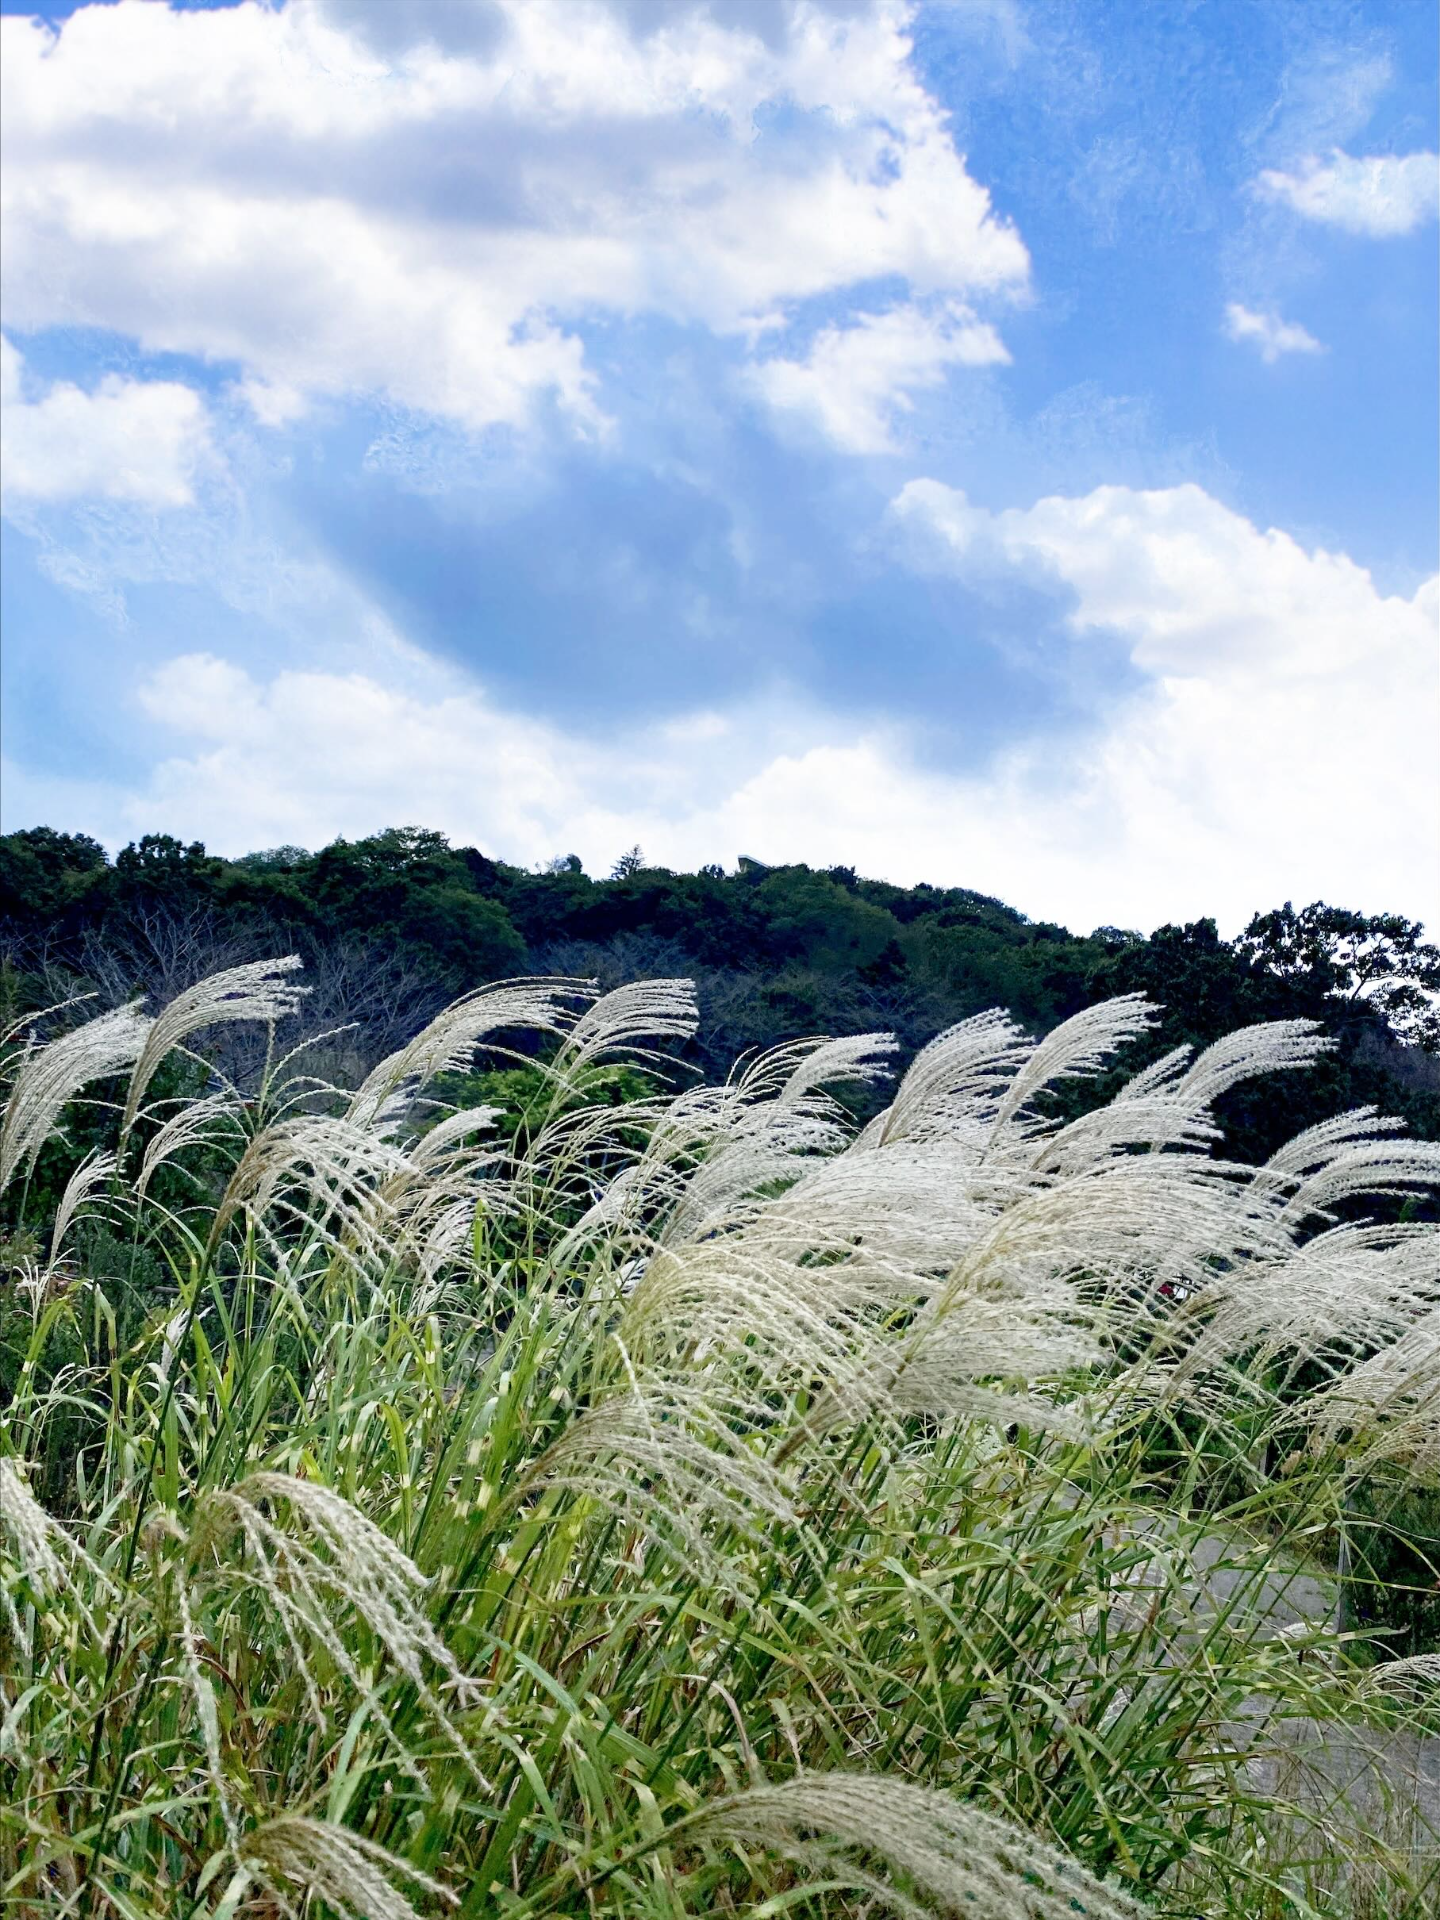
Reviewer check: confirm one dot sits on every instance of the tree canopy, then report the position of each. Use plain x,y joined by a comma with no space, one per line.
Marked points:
777,950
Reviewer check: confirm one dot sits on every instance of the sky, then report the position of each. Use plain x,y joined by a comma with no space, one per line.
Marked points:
990,442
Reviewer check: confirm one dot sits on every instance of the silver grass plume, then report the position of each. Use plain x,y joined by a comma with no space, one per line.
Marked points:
721,1297
1317,1146
954,1084
1078,1048
1412,1682
1158,1079
1346,1290
666,1458
450,1041
318,1860
35,1548
93,1172
259,990
1390,1401
202,1122
305,1159
1398,1167
1100,1136
331,1552
797,1069
48,1076
447,1135
916,1207
621,1020
1275,1046
31,1536
711,1147
959,1858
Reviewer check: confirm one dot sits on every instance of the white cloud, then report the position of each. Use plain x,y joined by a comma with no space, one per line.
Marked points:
260,185
1380,194
1280,744
137,440
1284,743
854,379
1270,334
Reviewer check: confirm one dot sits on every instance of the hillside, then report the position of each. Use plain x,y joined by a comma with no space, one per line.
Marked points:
393,926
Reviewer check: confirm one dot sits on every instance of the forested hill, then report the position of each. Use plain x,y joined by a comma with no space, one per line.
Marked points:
393,925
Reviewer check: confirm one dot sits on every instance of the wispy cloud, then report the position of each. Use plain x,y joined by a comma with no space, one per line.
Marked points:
854,379
1267,332
1381,195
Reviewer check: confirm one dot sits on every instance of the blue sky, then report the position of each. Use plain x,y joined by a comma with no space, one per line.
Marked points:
988,442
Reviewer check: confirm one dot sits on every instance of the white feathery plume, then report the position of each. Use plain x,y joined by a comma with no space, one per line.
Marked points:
722,1298
765,1146
1159,1079
30,1533
93,1171
1125,1233
50,1075
1098,1137
620,1020
35,1548
795,1069
958,1857
719,1146
1317,1146
666,1459
1345,1290
201,1122
1274,1046
450,1040
1414,1681
438,1141
318,1860
1078,1048
313,1158
970,1339
32,1020
330,1552
1392,1400
1398,1167
917,1206
259,990
748,1134
955,1084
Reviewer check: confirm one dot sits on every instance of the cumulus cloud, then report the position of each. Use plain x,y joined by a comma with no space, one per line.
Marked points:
854,379
1271,335
1279,745
337,208
138,440
1283,746
1380,194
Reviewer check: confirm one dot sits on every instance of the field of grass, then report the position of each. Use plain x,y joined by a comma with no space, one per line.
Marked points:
702,1504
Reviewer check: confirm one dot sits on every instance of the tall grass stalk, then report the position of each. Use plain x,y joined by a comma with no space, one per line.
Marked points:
706,1506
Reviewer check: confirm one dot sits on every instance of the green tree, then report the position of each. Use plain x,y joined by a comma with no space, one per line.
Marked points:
1364,963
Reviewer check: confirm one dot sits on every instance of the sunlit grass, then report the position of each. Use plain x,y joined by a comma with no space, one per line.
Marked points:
692,1506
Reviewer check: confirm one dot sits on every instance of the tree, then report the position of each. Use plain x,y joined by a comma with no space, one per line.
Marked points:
1371,963
273,859
628,865
40,869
